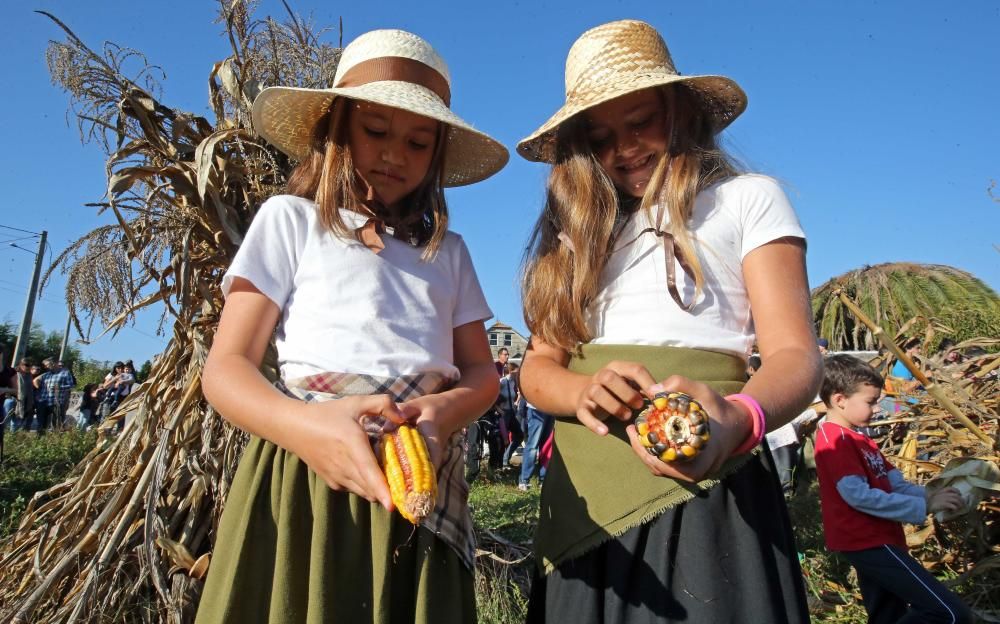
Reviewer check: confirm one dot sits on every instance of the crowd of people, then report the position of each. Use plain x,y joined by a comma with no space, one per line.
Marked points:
512,427
37,397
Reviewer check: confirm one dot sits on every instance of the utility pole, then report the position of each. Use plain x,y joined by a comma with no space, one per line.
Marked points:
62,349
29,306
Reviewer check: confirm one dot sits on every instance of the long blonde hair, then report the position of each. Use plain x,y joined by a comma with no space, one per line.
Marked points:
327,176
583,206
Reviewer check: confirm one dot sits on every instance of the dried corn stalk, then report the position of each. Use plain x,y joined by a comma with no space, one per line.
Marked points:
128,535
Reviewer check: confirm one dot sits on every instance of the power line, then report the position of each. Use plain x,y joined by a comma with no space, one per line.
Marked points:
22,291
14,240
10,227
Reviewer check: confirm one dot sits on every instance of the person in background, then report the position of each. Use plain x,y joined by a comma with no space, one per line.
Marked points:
8,389
107,392
901,382
753,363
864,500
25,397
7,381
501,362
54,386
907,383
507,404
824,345
89,406
539,426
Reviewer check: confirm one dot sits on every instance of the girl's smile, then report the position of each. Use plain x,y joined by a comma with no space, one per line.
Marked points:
628,138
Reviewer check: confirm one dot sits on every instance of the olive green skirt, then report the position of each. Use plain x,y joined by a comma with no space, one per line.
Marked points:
290,549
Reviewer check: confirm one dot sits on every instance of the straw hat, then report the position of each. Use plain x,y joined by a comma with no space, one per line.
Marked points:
389,67
618,58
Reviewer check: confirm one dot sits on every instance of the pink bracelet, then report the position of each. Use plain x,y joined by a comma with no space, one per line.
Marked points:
756,435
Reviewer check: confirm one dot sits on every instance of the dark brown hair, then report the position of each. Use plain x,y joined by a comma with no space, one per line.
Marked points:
845,374
327,176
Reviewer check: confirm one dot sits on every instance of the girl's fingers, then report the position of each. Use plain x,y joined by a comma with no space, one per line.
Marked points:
626,394
366,471
585,414
608,403
382,405
634,372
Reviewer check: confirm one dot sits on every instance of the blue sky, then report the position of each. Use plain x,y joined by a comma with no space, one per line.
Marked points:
878,117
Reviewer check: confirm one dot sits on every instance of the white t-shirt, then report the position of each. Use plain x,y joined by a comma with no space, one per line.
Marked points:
347,309
729,220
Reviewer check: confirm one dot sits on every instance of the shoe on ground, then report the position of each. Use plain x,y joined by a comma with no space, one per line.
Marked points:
524,487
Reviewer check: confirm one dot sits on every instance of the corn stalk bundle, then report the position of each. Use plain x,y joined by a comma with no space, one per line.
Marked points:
129,534
956,416
892,294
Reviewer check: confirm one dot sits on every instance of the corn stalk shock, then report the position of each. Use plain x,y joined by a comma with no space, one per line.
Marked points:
932,389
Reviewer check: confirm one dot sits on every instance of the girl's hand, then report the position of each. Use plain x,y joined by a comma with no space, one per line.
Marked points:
434,417
613,391
946,499
337,448
730,424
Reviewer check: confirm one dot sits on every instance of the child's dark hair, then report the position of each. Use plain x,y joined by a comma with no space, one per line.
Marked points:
845,374
753,362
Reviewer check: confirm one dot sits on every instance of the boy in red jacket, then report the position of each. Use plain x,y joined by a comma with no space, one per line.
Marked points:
865,500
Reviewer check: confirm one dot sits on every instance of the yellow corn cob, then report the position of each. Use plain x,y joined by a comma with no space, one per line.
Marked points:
410,473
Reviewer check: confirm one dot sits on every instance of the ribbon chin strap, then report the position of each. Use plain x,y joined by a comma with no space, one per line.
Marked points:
670,253
370,234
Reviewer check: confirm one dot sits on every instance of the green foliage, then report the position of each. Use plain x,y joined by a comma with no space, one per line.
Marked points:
41,344
893,294
967,321
90,371
510,514
143,373
33,463
499,506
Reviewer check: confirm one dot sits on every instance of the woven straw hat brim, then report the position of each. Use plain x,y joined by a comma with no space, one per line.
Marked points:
287,117
720,97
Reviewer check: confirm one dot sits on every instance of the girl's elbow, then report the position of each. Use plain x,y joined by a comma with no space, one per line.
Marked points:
491,387
210,375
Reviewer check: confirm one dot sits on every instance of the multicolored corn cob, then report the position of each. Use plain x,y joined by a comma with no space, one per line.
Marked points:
409,472
674,427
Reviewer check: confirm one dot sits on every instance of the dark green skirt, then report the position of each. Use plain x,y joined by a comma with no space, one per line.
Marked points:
290,549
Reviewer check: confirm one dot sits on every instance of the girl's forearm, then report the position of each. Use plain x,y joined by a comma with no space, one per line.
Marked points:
786,384
475,392
237,390
550,387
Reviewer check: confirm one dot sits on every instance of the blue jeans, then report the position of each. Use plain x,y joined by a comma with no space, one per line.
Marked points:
539,426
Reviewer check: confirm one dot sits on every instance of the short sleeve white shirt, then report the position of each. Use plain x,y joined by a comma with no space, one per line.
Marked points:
347,309
729,220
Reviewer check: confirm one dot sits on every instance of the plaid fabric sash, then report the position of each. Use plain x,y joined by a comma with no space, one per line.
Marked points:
450,520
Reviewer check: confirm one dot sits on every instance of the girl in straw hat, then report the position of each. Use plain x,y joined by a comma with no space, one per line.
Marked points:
378,317
653,268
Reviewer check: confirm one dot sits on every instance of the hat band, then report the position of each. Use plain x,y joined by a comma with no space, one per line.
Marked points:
397,68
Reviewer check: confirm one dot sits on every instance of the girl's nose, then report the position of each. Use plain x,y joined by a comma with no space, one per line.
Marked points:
391,154
626,142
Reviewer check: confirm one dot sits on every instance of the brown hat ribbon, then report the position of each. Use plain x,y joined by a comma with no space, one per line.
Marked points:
397,68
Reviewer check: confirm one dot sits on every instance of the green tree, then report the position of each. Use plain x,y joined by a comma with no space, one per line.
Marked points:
143,372
894,293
